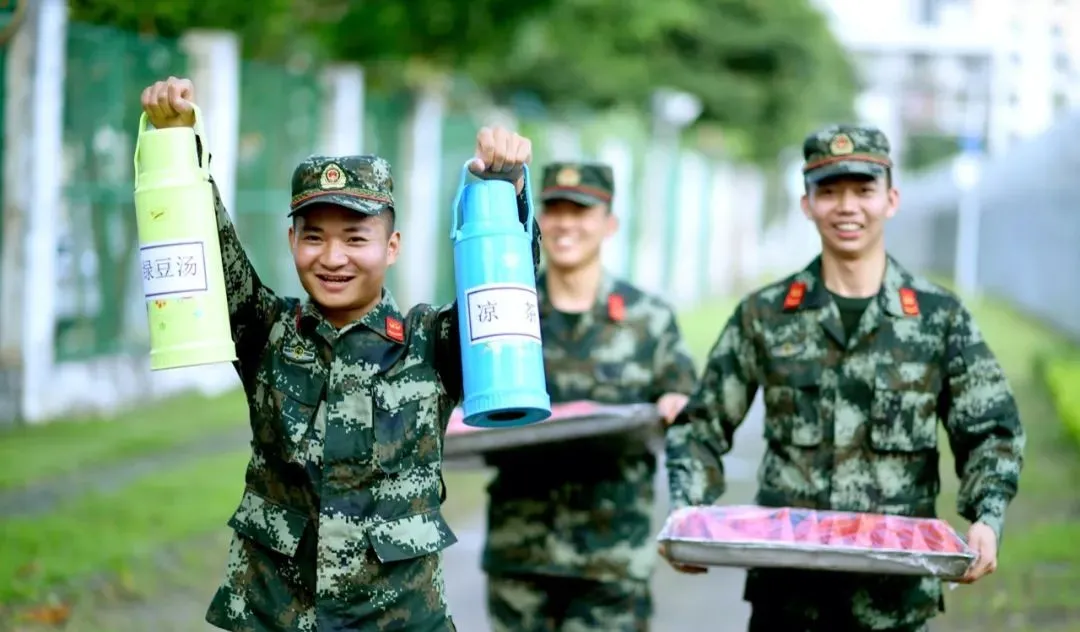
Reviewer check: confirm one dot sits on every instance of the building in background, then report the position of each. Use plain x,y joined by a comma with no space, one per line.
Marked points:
935,71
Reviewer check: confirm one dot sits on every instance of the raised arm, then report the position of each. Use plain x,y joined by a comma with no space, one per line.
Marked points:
702,433
252,306
500,155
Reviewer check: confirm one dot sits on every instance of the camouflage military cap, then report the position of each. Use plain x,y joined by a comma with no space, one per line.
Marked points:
841,150
358,183
588,184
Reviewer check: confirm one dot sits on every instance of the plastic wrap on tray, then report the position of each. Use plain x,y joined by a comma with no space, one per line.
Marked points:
568,420
761,537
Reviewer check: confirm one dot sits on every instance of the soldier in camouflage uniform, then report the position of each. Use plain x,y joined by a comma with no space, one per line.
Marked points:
340,526
569,544
859,361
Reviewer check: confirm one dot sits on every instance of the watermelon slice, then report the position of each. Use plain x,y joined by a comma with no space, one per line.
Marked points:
843,532
932,535
805,529
868,527
918,543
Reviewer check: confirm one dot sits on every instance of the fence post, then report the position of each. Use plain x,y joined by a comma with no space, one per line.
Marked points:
617,153
214,66
420,172
749,216
564,142
343,110
726,245
18,133
684,259
40,198
651,248
707,217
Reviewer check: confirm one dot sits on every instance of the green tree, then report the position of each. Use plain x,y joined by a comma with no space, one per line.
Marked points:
269,32
766,71
400,42
405,42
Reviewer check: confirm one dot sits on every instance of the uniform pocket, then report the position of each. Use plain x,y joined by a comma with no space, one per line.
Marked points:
792,403
406,420
300,387
411,537
904,408
269,524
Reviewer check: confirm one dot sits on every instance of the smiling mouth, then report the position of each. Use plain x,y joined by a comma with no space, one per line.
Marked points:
334,278
848,227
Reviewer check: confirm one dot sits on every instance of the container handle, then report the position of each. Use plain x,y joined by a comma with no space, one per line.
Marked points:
144,122
526,189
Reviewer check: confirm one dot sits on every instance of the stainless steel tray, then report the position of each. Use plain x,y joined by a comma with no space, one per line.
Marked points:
601,420
858,560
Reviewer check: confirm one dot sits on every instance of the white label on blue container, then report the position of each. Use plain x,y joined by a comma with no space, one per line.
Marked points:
173,268
501,311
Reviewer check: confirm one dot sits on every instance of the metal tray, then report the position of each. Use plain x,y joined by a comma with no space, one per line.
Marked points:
601,420
947,566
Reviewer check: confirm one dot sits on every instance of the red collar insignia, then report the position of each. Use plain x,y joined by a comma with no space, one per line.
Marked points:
394,329
908,301
616,307
796,293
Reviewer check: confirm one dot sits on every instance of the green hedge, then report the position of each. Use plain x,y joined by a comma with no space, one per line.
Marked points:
1062,374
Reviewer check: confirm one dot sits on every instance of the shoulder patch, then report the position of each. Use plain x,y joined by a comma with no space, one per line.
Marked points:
395,330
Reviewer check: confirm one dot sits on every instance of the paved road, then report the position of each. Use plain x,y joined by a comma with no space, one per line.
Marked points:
711,602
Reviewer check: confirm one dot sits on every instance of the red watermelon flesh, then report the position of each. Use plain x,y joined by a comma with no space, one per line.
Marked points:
889,540
937,538
806,529
868,528
843,531
696,526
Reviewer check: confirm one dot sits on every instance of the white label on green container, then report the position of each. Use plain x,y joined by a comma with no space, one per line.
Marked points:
174,268
502,310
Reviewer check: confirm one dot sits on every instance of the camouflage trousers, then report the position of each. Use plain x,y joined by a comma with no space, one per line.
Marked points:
768,619
545,603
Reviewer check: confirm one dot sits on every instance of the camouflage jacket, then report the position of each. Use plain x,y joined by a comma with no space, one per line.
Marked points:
340,525
853,424
584,508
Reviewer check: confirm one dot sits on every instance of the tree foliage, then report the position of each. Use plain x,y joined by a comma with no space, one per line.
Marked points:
407,41
270,31
766,70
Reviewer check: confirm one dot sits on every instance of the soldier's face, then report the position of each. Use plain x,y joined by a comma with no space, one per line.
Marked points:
342,257
850,213
573,233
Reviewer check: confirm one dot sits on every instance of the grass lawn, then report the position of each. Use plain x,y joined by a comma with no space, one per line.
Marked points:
32,453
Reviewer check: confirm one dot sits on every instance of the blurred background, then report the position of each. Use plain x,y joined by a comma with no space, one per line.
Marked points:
115,483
